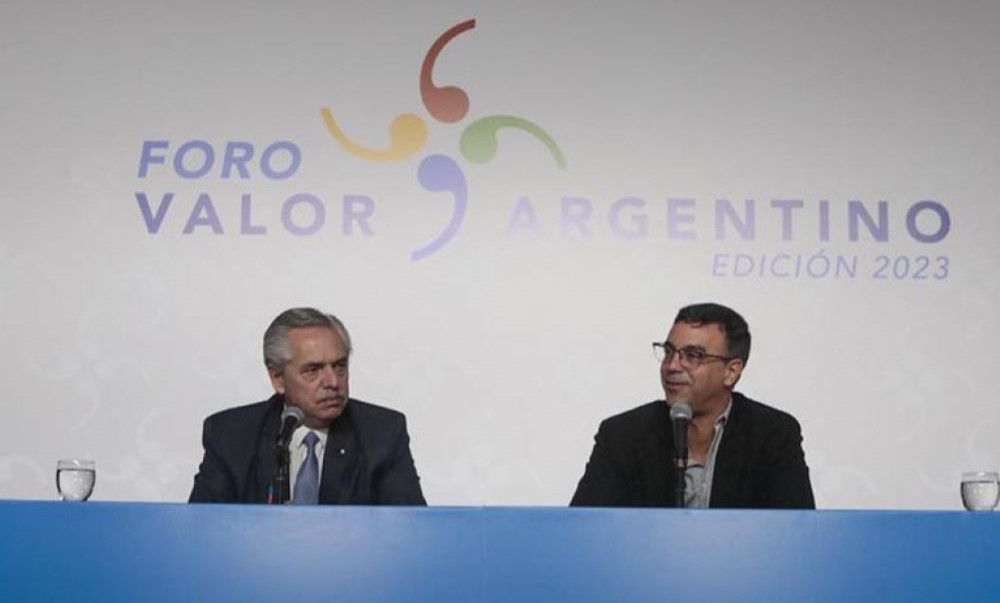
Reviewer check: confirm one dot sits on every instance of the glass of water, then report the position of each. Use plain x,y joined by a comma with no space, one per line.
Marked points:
75,479
980,490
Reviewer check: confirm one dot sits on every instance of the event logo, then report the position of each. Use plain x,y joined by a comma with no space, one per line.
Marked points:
305,214
440,173
753,238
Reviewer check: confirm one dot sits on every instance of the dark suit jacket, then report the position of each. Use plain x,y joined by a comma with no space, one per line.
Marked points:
376,466
759,464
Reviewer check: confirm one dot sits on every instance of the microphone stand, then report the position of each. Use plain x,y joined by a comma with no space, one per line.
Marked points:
681,469
680,416
278,491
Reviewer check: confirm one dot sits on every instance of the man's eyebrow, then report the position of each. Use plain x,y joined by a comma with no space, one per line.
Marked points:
685,347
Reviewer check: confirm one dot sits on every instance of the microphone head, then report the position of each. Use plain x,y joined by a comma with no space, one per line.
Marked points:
681,410
295,412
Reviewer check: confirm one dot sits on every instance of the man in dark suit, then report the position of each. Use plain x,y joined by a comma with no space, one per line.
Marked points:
741,453
346,451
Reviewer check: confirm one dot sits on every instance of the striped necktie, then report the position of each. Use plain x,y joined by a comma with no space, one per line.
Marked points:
307,480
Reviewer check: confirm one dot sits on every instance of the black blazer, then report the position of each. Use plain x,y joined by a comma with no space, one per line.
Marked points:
759,464
367,458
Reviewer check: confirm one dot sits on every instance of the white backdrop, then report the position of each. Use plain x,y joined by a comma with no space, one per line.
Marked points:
506,344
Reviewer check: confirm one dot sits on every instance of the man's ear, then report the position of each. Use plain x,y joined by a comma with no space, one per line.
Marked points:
734,369
277,380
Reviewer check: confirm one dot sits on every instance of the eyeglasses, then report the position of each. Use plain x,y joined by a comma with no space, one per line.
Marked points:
690,357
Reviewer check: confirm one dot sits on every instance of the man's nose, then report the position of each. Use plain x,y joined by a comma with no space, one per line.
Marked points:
673,363
329,376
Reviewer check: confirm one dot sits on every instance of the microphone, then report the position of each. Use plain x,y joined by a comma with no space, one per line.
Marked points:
680,416
291,418
277,490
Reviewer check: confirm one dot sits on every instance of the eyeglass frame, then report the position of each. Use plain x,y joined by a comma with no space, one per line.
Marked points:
700,358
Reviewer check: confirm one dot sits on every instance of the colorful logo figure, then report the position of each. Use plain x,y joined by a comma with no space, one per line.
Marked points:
440,173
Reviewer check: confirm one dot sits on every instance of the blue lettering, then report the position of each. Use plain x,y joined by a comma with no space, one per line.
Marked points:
523,217
318,214
246,224
640,222
786,206
357,209
237,155
746,228
576,211
857,212
295,158
675,219
203,214
147,156
153,221
206,164
944,222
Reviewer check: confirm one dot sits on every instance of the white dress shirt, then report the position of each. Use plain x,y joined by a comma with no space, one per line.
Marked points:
297,450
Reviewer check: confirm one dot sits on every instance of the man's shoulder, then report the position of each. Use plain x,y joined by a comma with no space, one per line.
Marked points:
752,410
638,416
375,425
368,413
242,414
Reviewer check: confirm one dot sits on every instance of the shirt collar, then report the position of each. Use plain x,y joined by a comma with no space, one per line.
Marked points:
720,421
300,434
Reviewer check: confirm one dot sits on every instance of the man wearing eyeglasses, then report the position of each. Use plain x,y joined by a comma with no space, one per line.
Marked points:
741,453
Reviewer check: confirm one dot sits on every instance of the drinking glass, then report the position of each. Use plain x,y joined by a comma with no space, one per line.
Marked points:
75,479
980,490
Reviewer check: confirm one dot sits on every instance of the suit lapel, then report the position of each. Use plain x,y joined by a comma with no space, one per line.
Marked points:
662,472
339,460
265,450
730,461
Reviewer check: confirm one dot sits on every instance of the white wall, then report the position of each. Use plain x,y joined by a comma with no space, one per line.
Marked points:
504,349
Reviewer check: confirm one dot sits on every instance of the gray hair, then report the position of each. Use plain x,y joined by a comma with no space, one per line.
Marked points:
276,352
